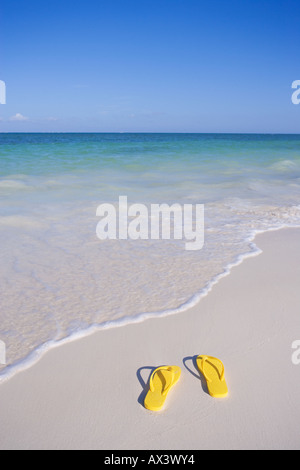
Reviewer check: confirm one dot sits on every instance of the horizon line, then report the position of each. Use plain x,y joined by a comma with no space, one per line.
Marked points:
149,132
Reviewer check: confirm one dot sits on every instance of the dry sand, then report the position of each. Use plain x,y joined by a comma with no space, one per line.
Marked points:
88,394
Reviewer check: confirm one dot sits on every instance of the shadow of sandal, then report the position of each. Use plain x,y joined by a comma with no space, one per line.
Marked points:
144,384
197,374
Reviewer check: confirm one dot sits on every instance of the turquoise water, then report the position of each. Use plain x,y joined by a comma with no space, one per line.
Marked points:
105,164
58,280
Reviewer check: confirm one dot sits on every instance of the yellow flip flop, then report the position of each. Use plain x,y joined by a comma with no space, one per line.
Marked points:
214,372
161,382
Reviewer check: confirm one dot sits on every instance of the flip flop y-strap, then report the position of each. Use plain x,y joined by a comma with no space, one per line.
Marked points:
207,359
168,369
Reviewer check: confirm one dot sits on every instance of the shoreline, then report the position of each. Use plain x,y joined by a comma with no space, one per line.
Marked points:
36,355
88,393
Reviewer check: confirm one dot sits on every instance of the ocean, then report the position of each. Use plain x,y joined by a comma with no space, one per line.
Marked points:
58,281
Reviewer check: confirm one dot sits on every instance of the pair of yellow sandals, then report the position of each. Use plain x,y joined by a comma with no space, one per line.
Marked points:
165,378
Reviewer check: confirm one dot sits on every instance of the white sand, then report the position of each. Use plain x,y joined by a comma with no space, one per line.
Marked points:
87,394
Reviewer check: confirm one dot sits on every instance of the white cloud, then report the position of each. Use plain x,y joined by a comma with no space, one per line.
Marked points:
18,117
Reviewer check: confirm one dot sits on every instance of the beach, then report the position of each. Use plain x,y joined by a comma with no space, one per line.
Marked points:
60,277
88,394
149,216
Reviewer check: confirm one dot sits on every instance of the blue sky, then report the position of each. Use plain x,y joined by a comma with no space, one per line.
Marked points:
150,66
